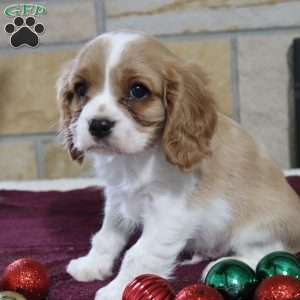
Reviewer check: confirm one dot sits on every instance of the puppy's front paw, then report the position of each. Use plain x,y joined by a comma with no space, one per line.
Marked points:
90,267
110,292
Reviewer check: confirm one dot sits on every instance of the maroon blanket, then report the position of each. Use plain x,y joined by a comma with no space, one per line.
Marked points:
54,227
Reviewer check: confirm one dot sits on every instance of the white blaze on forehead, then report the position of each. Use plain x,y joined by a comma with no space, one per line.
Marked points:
118,43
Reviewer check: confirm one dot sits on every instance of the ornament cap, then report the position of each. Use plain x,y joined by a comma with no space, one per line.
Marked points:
8,295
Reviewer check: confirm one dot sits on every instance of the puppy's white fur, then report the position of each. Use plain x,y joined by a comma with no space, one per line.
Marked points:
209,211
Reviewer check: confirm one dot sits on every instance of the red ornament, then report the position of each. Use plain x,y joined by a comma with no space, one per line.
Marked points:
278,288
148,287
27,277
198,291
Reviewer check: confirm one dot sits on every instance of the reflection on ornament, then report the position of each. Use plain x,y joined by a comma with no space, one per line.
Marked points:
278,263
233,279
27,277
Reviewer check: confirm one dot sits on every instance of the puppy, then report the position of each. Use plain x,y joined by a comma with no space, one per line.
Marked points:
189,176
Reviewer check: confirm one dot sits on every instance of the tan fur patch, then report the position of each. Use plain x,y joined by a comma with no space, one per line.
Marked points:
242,173
191,117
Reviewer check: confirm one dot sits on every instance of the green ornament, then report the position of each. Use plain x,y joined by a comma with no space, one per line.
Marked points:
6,295
278,263
233,279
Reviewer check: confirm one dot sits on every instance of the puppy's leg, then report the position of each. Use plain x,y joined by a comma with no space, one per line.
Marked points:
155,253
249,248
106,246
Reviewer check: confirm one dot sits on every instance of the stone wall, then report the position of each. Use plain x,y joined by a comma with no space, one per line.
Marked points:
242,44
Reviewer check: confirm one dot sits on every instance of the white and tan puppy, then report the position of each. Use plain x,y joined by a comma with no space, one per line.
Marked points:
189,176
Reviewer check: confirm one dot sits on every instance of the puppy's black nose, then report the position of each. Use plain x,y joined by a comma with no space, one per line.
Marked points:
100,128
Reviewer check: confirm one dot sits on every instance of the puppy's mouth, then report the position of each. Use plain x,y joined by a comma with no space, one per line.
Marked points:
102,148
87,144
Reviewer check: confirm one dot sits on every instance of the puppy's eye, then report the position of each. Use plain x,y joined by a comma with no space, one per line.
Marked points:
81,89
138,91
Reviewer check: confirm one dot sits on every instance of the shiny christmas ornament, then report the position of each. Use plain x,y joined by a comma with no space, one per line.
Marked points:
27,277
198,291
278,263
6,295
148,287
233,279
278,288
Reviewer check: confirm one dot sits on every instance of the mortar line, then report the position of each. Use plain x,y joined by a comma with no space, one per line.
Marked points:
230,34
235,79
39,158
176,36
45,47
26,136
100,16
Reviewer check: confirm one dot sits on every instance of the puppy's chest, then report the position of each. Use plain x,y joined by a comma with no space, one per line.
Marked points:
135,204
134,184
137,196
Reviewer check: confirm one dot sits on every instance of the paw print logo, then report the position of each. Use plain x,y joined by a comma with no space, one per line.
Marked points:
24,32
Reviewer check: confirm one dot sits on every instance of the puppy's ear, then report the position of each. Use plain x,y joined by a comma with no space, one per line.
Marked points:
67,115
190,116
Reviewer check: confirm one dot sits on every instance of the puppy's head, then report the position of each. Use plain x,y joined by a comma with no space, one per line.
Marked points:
125,92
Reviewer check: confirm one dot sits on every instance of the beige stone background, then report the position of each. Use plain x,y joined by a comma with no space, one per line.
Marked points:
242,44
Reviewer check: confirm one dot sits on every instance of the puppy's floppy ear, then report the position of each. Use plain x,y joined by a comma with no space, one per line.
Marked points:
191,116
67,115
